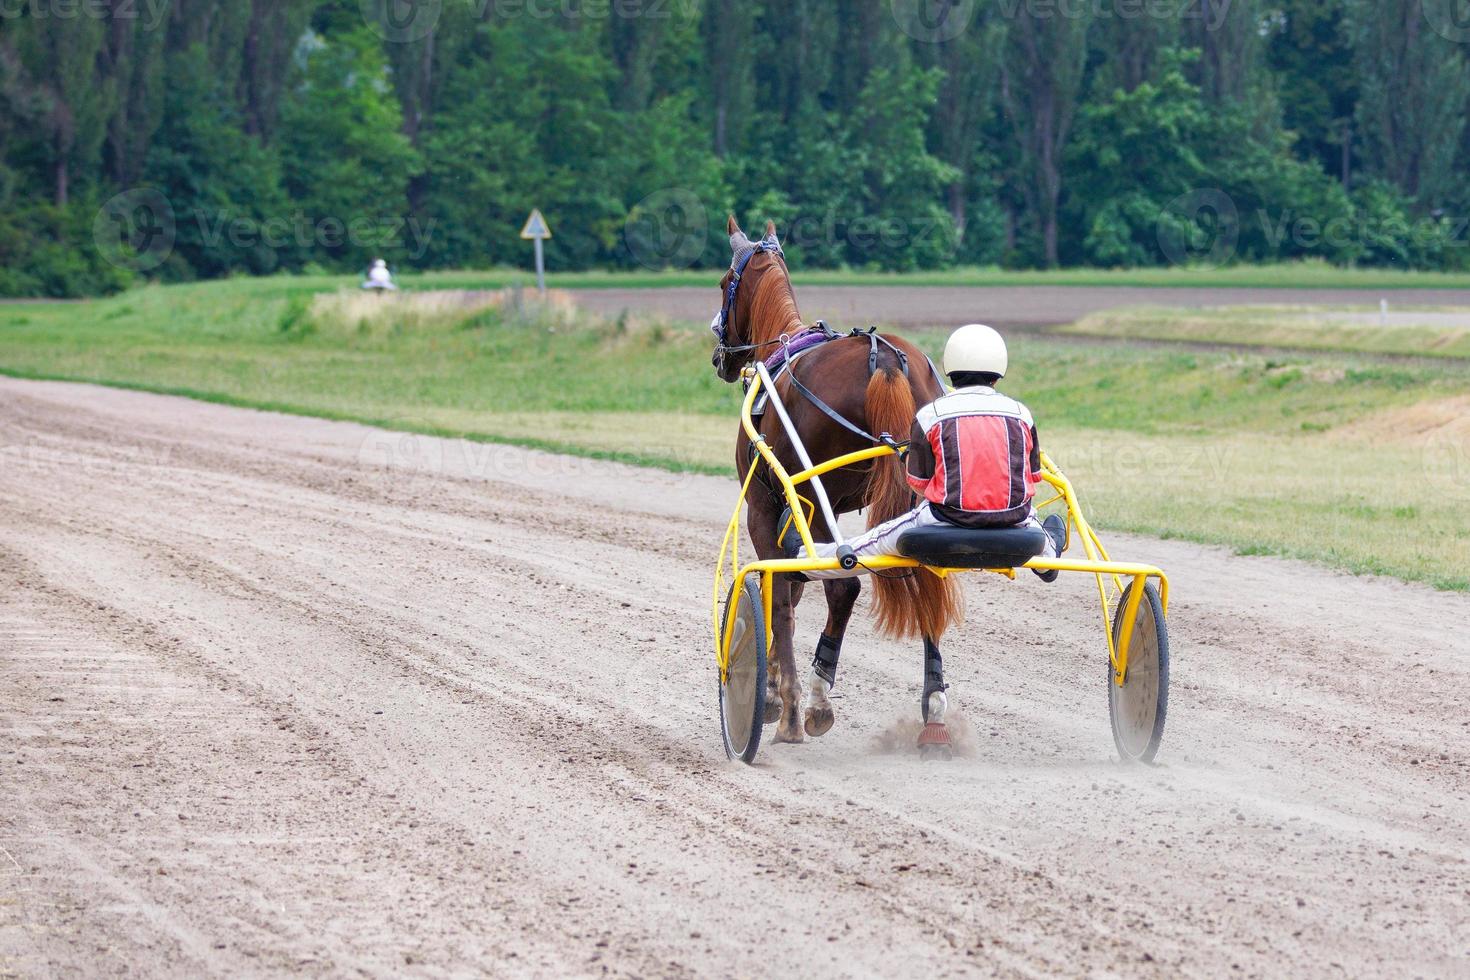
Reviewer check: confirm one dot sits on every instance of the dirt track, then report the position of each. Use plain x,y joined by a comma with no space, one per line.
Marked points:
269,705
1014,307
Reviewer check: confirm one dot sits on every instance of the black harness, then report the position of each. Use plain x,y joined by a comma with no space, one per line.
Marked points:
874,340
721,324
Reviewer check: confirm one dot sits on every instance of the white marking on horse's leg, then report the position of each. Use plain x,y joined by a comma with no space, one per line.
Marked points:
818,689
819,714
938,704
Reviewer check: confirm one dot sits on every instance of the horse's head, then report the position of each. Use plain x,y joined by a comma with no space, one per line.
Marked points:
738,335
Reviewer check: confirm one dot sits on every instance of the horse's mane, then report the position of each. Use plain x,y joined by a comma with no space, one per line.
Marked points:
773,309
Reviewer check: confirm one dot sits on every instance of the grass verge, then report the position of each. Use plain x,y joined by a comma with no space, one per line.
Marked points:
1287,275
1423,333
1339,458
1304,275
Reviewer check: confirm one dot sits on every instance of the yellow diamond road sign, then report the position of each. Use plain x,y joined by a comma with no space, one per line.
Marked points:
536,226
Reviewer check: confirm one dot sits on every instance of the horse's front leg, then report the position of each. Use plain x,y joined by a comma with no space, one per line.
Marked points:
842,595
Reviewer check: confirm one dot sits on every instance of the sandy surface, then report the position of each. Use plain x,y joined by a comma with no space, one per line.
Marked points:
1001,306
270,705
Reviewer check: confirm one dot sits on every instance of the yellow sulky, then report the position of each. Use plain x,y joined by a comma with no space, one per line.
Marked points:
1110,575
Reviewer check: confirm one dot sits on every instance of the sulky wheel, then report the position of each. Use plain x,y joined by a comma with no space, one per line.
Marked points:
1137,709
743,693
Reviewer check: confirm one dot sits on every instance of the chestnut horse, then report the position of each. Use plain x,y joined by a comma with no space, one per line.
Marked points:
878,398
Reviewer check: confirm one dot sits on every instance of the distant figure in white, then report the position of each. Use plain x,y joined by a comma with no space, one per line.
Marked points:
380,279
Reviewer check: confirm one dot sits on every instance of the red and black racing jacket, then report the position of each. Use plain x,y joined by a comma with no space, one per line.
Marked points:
973,454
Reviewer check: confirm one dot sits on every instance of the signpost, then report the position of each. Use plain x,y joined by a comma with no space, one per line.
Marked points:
538,231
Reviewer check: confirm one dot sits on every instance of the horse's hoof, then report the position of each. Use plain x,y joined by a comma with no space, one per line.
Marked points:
773,710
934,743
819,721
791,733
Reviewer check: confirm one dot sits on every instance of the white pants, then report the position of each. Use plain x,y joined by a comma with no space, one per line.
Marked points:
883,539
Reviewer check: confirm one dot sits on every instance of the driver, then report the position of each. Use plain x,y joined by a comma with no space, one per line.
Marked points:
380,278
973,460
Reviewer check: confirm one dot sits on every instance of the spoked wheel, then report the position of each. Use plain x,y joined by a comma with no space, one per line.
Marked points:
1137,709
743,693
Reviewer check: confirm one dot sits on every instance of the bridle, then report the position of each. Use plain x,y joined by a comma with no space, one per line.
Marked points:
720,325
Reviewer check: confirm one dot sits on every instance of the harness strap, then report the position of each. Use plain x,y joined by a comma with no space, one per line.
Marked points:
939,378
873,341
828,410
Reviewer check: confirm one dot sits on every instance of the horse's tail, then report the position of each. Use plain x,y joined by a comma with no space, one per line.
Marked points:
907,602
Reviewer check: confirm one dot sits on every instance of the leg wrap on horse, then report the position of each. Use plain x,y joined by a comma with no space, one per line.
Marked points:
933,675
825,662
933,669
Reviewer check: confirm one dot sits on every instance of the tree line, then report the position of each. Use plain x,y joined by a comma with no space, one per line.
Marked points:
257,136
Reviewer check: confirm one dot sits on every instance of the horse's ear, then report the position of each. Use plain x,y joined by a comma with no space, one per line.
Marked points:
770,229
732,227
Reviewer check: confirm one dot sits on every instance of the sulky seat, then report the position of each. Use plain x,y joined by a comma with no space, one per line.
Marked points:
959,547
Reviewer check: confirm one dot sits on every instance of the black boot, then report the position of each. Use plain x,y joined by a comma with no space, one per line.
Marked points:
1056,529
790,540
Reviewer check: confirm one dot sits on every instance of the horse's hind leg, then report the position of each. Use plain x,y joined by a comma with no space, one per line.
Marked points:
773,667
934,739
842,594
785,687
783,623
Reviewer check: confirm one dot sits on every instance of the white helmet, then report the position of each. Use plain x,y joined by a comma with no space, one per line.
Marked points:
976,349
380,264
